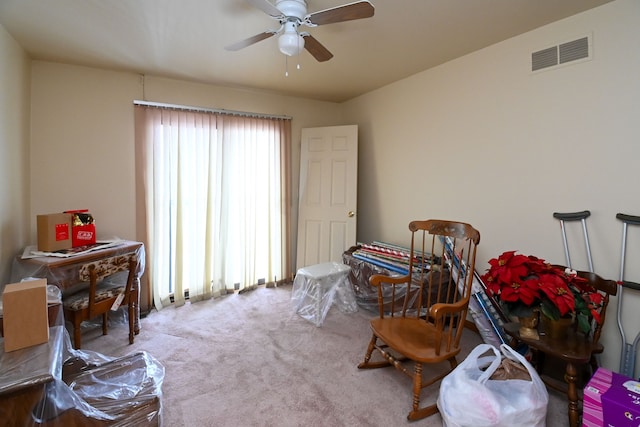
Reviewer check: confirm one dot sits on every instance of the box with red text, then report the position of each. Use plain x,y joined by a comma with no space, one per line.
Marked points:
54,232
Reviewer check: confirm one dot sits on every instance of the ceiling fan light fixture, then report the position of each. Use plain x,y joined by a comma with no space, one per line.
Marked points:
291,14
291,44
296,8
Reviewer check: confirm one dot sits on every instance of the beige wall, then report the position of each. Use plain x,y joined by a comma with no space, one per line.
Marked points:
82,145
14,151
82,135
483,140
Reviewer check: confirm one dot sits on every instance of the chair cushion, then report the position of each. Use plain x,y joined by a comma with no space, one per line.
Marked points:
80,300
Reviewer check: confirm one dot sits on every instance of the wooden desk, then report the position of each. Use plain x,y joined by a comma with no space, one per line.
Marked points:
64,272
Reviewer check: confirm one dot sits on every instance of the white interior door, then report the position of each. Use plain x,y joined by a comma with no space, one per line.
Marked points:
328,194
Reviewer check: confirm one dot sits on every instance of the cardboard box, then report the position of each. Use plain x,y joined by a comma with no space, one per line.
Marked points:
611,399
83,235
25,314
83,228
54,232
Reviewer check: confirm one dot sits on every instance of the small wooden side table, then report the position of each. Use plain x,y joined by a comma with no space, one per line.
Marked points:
575,350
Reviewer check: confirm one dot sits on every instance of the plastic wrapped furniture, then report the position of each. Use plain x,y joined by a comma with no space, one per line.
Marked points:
316,288
54,385
121,392
63,270
367,295
103,294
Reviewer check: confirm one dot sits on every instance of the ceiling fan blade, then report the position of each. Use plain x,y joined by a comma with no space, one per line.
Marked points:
315,48
346,12
251,40
266,7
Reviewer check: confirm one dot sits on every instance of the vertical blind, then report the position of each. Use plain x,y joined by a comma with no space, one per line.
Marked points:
216,197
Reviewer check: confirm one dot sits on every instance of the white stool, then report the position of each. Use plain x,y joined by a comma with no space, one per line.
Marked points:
315,289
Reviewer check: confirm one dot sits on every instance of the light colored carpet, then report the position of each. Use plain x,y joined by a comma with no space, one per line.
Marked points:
248,360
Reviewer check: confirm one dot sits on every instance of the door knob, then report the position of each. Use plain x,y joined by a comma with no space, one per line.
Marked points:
351,214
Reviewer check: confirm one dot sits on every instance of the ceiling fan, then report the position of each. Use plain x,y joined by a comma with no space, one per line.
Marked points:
291,14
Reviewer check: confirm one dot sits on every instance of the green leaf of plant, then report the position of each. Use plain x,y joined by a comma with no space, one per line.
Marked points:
550,310
584,325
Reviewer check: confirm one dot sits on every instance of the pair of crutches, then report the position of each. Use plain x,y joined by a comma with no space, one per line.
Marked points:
628,351
628,356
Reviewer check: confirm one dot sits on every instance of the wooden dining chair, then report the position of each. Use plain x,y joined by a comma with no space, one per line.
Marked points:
425,327
103,292
577,351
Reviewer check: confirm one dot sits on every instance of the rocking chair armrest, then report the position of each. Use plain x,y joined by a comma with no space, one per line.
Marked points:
440,310
380,279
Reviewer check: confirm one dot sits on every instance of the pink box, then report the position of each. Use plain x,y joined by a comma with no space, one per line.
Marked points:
611,400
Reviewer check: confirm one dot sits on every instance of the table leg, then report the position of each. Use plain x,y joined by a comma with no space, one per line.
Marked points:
136,307
570,377
318,314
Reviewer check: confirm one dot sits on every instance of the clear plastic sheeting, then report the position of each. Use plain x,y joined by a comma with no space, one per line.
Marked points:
63,271
316,288
52,384
367,295
54,295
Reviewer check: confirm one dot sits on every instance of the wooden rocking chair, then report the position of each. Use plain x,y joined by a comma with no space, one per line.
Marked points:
426,326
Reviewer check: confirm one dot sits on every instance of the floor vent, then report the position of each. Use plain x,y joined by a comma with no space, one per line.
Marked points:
561,54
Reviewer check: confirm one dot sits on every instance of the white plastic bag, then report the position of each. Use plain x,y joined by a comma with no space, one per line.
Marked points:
470,398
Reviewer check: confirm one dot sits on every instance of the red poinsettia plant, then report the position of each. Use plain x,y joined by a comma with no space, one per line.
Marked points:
523,283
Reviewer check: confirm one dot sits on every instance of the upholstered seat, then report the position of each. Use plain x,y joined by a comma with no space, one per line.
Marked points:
80,300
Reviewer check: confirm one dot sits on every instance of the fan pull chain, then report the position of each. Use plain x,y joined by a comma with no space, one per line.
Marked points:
286,65
298,55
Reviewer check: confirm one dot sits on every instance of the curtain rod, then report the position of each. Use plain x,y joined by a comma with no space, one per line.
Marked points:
209,110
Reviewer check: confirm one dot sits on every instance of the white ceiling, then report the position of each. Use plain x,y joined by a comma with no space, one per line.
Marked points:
185,39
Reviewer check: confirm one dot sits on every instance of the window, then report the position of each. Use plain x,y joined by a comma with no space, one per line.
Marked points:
215,200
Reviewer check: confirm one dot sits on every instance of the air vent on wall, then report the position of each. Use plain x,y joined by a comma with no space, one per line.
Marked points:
544,58
561,54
